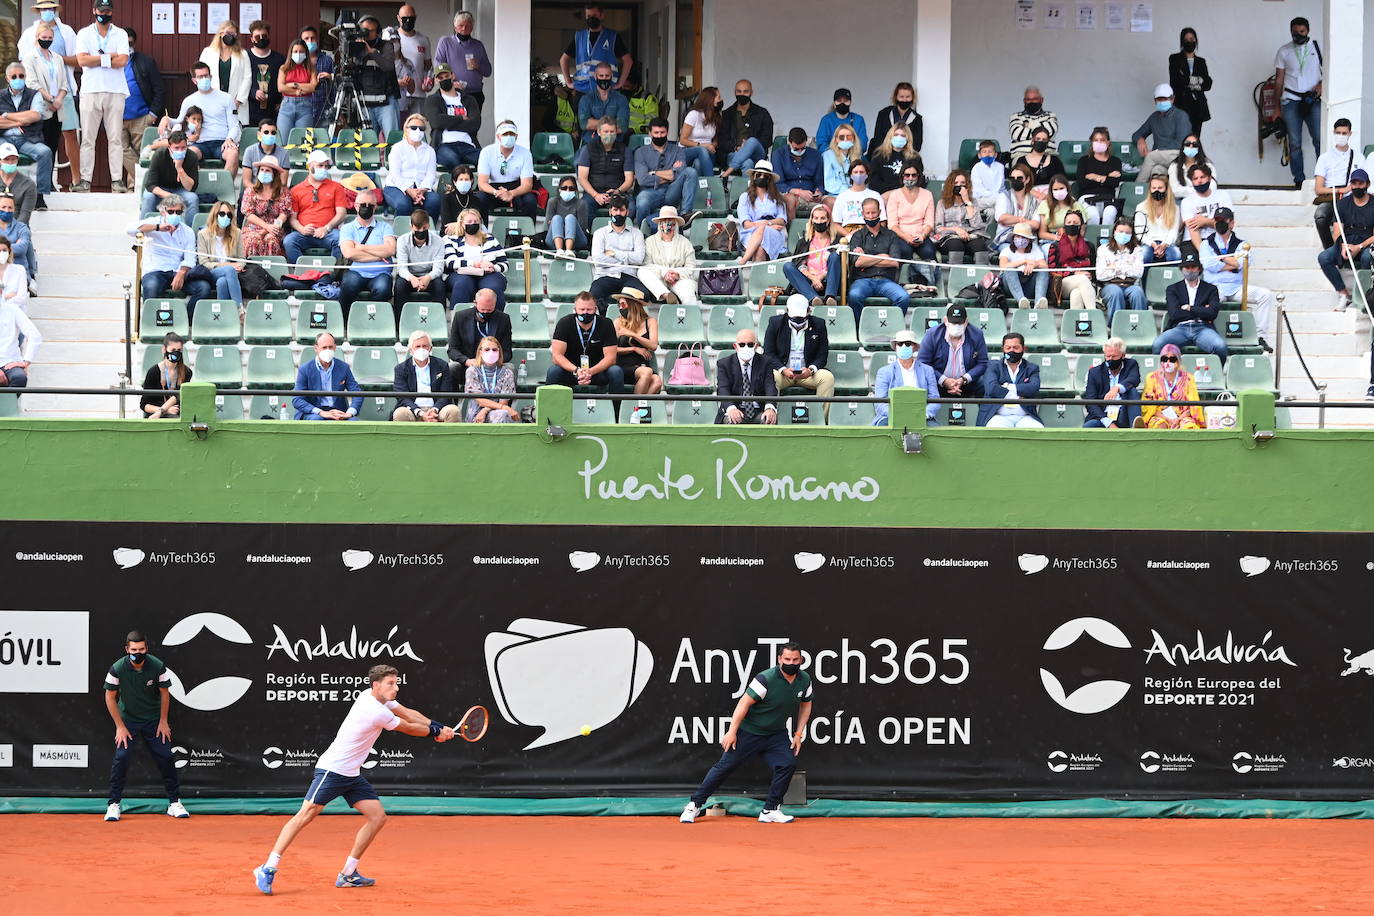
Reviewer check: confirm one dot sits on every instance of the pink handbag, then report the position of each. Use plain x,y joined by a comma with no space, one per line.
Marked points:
689,371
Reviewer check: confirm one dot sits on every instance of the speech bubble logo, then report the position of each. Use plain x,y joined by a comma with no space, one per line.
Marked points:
583,560
357,559
1253,566
1032,563
219,692
128,557
808,562
561,677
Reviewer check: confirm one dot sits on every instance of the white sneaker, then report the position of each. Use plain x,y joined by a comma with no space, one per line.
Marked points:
774,816
112,812
1342,301
176,809
689,813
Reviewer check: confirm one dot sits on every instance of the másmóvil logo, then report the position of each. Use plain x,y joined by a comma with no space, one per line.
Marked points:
219,692
1095,696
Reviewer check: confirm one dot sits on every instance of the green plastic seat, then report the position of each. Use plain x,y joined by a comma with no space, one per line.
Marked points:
590,411
515,281
968,151
1138,327
267,321
936,187
762,277
427,317
925,317
1240,331
734,190
1132,193
711,196
9,403
800,413
1062,416
1126,151
374,367
316,261
145,155
268,407
848,369
681,324
1037,327
216,322
1070,151
693,413
301,140
501,226
529,324
217,182
368,158
991,322
1157,280
376,409
1080,372
851,414
536,363
841,332
161,316
275,265
371,323
957,414
1084,330
228,407
151,355
698,234
200,221
723,322
221,366
878,324
795,230
271,367
1206,370
1054,372
549,147
316,317
958,276
247,137
565,278
1095,234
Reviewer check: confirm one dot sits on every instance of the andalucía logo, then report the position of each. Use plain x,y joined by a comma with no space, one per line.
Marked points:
1095,696
216,693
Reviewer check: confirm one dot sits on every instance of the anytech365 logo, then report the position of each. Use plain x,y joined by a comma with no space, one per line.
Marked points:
1095,696
128,557
583,560
1253,566
808,562
1032,563
219,692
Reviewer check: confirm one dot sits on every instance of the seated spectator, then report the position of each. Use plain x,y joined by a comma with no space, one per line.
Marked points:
219,249
1015,205
698,134
1192,305
456,116
636,339
841,113
14,278
1071,258
563,218
472,325
746,132
318,207
218,135
892,157
1099,177
1355,227
584,349
21,110
1116,378
1043,164
1120,265
603,169
603,102
1024,124
474,260
1022,263
762,216
1333,171
268,138
875,250
1221,267
837,163
410,177
1012,378
490,385
801,173
419,264
297,81
1158,222
16,184
266,210
617,255
958,353
170,174
1052,209
15,357
901,111
669,271
369,244
1170,382
905,372
1197,207
742,375
814,271
798,346
325,373
989,178
190,125
169,374
169,253
848,207
1189,155
423,375
1169,126
663,175
505,174
461,195
958,222
19,237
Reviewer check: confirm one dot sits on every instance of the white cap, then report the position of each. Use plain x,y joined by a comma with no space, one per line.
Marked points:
7,150
1164,91
797,305
506,127
317,157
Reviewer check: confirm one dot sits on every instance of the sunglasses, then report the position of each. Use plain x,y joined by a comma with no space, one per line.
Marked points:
1168,359
267,133
175,212
746,346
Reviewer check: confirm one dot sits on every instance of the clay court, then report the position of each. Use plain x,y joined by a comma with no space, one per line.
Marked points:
78,864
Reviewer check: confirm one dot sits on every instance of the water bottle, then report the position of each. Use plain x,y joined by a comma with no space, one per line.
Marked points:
709,198
522,374
282,414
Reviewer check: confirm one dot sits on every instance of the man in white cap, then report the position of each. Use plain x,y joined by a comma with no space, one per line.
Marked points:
318,205
669,272
1168,125
799,346
505,173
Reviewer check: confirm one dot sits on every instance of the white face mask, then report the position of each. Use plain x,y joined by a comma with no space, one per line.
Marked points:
4,257
1341,140
325,356
1099,146
421,354
955,330
746,354
1060,193
416,133
490,357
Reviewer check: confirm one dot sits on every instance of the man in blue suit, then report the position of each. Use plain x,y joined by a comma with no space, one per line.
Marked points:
904,372
958,353
801,173
1116,377
324,373
1011,378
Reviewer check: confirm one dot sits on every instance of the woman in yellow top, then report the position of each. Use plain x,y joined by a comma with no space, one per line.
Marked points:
1170,383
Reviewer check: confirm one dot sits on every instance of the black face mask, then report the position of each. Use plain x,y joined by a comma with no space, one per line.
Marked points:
790,670
408,23
1300,39
593,23
1223,226
445,85
1073,229
46,43
1018,184
1190,46
821,227
742,100
903,106
1359,193
659,141
1012,356
872,223
797,323
603,84
472,228
618,219
842,110
585,319
421,238
365,211
1114,364
760,182
173,356
624,311
1157,195
230,40
1033,107
1040,145
137,657
261,43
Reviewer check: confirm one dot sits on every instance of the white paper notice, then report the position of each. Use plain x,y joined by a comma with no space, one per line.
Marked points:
249,13
1087,16
1142,17
188,18
1025,14
1054,17
215,13
164,19
1115,14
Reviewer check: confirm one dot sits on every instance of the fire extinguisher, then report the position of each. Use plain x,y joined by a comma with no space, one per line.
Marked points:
1268,105
1269,101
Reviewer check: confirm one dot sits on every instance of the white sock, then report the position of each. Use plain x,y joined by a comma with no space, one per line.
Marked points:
273,860
350,866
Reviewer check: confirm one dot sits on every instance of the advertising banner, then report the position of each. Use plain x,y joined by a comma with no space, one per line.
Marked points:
948,664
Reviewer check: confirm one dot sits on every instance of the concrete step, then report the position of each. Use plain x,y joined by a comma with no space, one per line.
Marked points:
109,203
1350,322
1289,280
1278,215
87,264
1266,238
45,306
88,352
82,221
76,406
85,287
1274,257
1267,197
79,329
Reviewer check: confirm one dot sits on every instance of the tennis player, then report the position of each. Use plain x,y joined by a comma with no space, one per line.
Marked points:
338,773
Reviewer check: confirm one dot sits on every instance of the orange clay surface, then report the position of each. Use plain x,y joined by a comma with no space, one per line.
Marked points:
58,864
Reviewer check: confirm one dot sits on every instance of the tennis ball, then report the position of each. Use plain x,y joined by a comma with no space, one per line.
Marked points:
586,730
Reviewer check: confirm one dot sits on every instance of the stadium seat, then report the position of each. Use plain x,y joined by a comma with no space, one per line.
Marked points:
317,316
851,414
762,277
795,230
1157,280
161,316
936,187
1242,336
968,151
1084,330
925,317
268,407
635,141
151,355
217,182
800,413
529,324
1095,234
1246,372
1207,371
536,363
271,367
681,324
600,222
301,140
991,322
840,330
220,366
689,413
427,317
1132,193
722,324
1070,151
316,262
515,280
371,323
9,404
216,322
549,181
711,197
1149,362
145,155
1138,327
267,321
734,190
711,299
1126,151
276,266
1037,327
377,410
958,276
698,233
848,369
957,414
1080,372
367,160
200,221
374,367
228,407
670,360
1062,416
565,278
1054,372
501,226
878,324
553,151
586,410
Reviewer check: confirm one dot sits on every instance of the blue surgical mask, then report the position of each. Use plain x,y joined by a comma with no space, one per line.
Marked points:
1164,105
988,160
905,351
1122,238
846,145
6,216
567,195
298,57
314,46
265,176
17,84
1190,151
859,178
507,141
177,154
174,219
899,142
224,219
320,174
268,140
203,84
48,15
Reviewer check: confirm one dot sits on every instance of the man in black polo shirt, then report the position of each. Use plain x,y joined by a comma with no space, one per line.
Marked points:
874,249
1354,245
584,349
137,697
603,168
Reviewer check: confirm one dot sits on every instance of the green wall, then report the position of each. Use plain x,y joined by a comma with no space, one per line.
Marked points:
256,471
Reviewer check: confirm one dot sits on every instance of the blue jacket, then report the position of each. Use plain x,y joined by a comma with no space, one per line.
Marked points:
832,122
1100,379
805,174
1027,381
934,353
890,376
616,106
338,377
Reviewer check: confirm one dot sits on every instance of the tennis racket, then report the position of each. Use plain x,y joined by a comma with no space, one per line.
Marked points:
473,725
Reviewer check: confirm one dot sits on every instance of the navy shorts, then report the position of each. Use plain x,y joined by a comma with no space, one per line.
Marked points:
327,786
210,149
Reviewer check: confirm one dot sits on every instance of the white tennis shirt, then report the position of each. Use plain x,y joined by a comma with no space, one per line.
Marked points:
359,731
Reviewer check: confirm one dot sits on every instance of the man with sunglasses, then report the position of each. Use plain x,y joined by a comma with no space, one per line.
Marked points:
740,374
169,253
505,173
269,138
318,205
1192,303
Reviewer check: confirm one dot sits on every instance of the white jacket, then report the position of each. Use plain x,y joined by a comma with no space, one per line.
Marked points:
240,79
28,46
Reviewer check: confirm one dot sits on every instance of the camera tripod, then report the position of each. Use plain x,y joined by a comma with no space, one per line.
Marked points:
348,110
